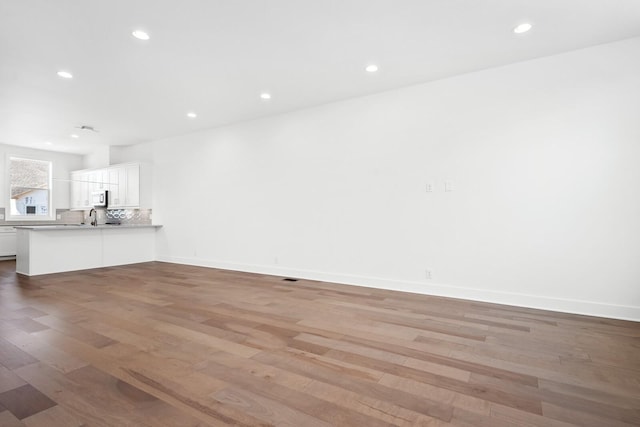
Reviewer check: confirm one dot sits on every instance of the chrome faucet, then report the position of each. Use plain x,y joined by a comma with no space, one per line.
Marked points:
95,221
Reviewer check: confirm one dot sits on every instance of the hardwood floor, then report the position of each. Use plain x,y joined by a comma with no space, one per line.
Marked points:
160,344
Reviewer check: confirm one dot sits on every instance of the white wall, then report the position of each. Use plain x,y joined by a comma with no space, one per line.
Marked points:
544,212
142,153
98,158
62,164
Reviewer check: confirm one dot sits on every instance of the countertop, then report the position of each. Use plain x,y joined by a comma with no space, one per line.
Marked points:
83,227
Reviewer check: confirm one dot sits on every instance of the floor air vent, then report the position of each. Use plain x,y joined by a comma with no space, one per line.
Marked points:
289,279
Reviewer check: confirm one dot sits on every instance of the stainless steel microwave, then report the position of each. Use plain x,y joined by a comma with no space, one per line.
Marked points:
99,198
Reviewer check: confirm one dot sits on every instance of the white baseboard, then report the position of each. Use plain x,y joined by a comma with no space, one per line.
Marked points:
588,308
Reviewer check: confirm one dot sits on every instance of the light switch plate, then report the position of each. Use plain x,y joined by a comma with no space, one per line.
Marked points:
1,216
448,186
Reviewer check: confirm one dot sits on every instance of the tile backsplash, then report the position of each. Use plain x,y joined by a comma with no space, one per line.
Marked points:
129,216
121,216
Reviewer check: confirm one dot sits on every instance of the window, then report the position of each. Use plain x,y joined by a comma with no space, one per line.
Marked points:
30,189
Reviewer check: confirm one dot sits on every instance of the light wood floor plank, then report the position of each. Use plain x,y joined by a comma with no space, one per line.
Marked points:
158,344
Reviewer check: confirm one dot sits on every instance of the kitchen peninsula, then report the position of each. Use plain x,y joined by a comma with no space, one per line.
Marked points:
60,248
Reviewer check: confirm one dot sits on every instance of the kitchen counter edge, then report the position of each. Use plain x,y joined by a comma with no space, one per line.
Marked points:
83,227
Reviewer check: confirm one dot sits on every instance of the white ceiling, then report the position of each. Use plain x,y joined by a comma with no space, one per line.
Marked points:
215,57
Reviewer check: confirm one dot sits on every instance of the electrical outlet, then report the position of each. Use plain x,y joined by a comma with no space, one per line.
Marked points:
58,216
275,260
429,187
448,186
428,274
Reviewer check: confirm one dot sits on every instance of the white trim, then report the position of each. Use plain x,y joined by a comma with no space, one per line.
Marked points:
51,216
563,305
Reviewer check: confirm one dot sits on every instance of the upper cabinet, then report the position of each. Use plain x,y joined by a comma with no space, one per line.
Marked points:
124,186
79,193
122,181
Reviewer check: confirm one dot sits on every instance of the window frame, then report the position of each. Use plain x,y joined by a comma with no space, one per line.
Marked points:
51,216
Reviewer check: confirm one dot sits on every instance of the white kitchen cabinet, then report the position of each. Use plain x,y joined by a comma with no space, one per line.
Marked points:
100,180
91,178
125,186
55,249
76,197
81,189
122,181
7,241
132,197
113,177
83,183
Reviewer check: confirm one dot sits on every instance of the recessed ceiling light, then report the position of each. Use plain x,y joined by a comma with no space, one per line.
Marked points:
48,143
192,115
65,74
139,34
265,95
73,135
522,28
371,68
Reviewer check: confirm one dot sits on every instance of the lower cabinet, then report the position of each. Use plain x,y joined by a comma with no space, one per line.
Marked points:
43,250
